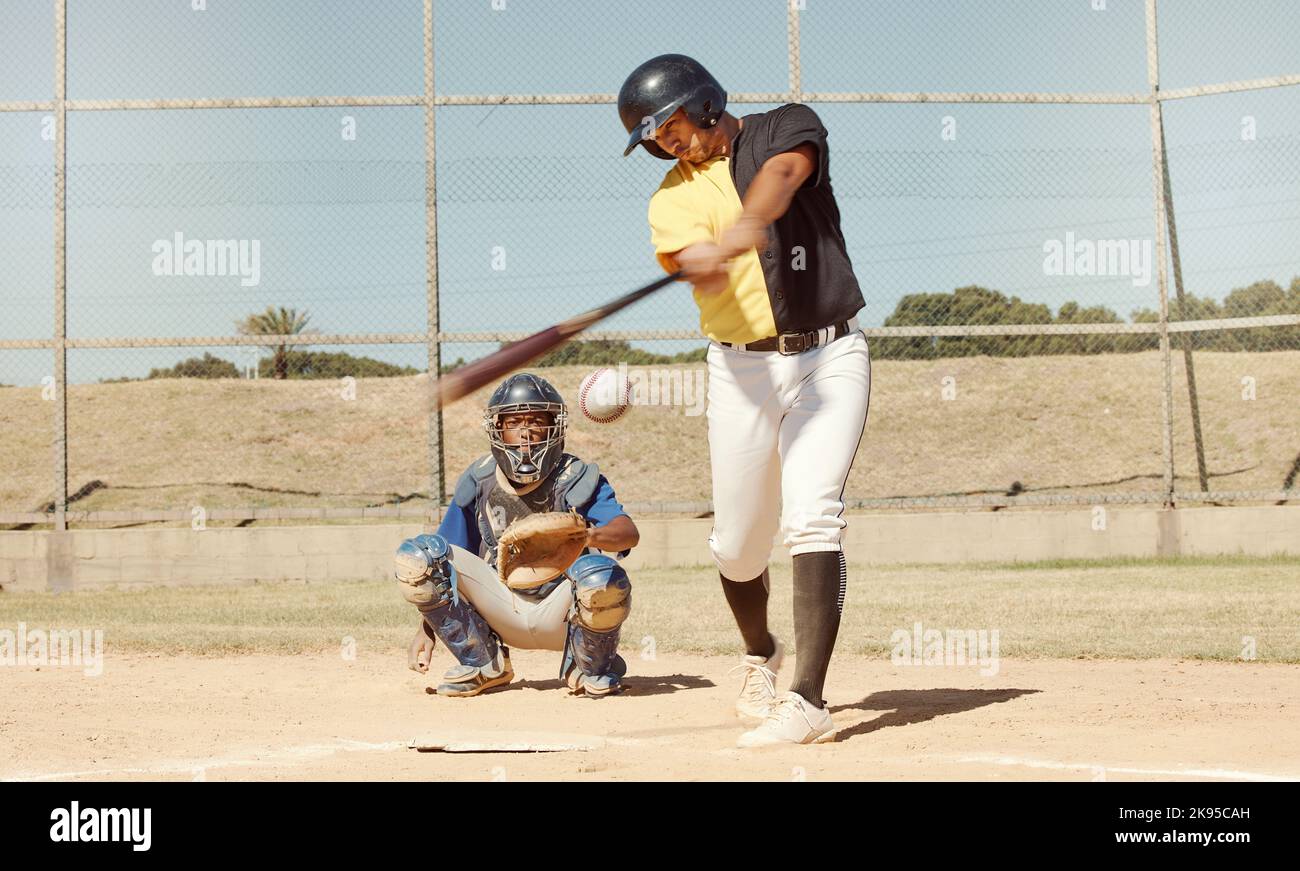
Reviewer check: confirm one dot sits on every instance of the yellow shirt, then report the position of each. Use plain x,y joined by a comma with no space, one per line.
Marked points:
695,203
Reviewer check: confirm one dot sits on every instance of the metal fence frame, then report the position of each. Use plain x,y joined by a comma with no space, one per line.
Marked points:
434,336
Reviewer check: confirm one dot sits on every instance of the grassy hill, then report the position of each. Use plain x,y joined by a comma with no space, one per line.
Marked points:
1054,424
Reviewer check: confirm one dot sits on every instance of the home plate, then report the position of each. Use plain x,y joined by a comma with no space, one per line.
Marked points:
506,742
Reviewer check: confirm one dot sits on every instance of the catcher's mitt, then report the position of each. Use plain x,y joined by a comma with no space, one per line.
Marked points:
536,548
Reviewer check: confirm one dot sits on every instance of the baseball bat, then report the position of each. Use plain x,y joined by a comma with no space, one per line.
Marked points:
465,380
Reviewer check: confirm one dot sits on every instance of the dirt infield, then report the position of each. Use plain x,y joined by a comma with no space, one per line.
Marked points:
320,717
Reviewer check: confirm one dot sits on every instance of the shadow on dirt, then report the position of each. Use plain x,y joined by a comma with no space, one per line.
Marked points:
905,707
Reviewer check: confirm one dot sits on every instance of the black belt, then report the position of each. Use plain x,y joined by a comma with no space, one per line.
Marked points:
792,343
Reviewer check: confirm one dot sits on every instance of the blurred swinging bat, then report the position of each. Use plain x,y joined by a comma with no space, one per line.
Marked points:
465,380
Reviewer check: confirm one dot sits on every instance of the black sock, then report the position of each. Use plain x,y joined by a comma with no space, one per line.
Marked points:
819,583
748,601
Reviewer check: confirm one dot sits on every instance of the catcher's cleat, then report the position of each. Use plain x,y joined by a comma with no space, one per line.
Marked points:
791,719
599,686
595,687
758,687
469,680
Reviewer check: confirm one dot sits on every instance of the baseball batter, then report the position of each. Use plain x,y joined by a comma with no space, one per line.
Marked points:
747,212
576,606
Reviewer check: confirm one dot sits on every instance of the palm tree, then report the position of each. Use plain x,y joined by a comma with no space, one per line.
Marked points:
276,322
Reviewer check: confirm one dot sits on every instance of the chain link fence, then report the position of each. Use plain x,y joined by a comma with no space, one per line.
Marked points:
234,241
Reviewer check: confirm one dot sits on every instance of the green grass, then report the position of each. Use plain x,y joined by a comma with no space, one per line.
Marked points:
1217,560
1195,608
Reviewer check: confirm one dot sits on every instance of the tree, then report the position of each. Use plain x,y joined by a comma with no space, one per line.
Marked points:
965,305
326,364
611,352
1261,299
206,366
276,322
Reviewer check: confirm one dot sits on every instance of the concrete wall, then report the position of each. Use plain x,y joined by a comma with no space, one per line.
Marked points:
89,558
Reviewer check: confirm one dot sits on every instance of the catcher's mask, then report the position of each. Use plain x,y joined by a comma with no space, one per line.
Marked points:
532,460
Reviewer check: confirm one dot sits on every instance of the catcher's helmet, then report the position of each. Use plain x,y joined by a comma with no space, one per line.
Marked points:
658,88
530,461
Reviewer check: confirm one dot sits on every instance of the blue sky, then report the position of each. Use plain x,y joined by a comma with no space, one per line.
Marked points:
341,222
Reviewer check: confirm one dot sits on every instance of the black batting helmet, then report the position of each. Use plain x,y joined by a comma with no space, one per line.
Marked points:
661,86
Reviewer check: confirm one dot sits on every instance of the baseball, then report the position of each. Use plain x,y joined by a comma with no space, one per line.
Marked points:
604,396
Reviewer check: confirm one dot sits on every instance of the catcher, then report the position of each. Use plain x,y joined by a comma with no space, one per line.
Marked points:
512,563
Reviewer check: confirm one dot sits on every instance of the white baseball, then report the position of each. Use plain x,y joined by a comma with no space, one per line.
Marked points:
604,396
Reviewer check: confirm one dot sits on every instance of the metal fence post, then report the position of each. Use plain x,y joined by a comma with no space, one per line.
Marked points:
60,266
1158,174
1185,339
792,42
435,448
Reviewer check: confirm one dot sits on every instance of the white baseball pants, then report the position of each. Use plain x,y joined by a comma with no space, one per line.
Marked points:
783,429
519,621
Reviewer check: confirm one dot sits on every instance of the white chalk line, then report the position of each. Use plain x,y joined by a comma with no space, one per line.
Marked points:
1216,773
199,766
285,755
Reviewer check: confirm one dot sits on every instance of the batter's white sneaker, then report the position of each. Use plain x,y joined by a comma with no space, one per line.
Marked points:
758,688
791,719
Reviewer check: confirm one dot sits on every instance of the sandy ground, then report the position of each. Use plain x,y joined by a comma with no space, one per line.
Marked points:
323,717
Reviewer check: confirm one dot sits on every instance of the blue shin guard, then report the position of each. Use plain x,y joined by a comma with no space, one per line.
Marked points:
602,601
428,581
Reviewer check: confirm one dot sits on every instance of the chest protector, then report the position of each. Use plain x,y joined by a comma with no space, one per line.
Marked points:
571,484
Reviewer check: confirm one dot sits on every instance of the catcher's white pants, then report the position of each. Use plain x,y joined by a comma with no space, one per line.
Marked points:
783,428
519,621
